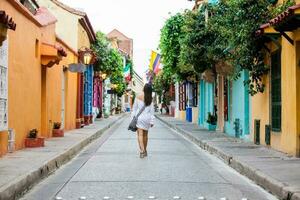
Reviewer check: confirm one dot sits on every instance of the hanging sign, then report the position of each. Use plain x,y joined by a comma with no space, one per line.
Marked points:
77,67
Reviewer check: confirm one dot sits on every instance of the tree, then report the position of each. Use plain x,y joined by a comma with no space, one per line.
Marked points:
109,61
171,35
101,48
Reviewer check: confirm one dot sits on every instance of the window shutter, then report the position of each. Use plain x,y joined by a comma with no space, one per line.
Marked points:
276,91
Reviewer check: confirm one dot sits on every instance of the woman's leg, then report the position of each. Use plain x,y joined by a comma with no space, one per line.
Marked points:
145,139
141,140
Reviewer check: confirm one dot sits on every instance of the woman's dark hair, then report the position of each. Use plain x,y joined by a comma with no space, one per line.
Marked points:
148,94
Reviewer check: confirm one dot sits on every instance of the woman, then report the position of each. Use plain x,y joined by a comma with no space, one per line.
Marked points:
146,118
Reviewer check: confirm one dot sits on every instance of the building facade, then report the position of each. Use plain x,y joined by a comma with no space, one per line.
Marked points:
38,105
275,113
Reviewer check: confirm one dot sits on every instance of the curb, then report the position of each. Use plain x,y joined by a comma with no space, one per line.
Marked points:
273,186
20,185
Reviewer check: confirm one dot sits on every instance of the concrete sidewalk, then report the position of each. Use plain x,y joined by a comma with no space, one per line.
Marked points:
273,170
21,170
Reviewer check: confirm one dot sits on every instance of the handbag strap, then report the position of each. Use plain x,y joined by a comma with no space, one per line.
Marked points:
143,108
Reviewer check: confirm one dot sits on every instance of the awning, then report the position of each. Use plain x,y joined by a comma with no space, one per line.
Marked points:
7,21
285,22
51,54
52,50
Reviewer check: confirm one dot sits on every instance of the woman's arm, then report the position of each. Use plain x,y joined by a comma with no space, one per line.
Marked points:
152,114
134,108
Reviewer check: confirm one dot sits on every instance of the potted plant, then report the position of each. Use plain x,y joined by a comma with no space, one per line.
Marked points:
212,122
57,132
33,140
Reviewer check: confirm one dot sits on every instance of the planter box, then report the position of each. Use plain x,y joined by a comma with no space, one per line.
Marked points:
34,142
212,127
58,133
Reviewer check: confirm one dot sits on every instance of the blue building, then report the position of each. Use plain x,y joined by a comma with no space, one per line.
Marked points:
206,102
238,115
88,94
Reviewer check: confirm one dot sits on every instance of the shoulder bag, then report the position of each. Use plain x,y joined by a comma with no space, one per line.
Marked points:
132,125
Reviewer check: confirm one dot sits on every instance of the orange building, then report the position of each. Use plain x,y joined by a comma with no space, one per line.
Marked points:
75,31
40,90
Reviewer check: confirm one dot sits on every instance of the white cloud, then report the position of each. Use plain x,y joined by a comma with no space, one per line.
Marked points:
140,20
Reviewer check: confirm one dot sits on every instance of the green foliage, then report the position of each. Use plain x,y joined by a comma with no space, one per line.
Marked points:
161,83
196,55
56,125
101,48
129,61
33,133
235,22
194,41
211,119
276,10
109,61
116,71
171,35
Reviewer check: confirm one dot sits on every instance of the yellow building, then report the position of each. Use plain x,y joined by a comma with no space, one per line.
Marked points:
76,33
276,112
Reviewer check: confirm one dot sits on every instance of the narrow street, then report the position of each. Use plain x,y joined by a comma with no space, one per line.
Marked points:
110,168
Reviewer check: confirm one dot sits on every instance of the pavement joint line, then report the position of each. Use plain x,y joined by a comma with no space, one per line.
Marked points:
117,122
20,185
265,181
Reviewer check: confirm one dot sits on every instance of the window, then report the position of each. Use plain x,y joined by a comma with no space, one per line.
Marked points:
37,48
31,5
276,91
195,94
182,96
3,85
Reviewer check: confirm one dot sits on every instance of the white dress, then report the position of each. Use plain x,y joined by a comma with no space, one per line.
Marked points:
146,118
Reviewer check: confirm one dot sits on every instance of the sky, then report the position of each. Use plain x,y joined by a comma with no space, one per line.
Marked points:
140,20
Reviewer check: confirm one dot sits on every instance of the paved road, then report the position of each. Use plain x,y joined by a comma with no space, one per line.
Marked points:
111,167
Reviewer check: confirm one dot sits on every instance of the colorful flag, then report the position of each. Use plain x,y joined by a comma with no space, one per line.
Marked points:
156,65
155,62
127,72
152,60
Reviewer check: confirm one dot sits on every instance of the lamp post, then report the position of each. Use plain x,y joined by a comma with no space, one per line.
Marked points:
87,57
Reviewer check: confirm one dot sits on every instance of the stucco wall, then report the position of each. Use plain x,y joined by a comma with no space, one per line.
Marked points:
240,106
195,114
206,102
288,139
24,78
70,93
66,27
83,39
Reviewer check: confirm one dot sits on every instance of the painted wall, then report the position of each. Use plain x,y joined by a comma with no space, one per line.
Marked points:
66,27
206,102
70,89
288,139
24,103
176,100
182,115
238,107
83,38
195,114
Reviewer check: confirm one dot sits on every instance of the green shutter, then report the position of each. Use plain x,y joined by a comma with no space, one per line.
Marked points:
276,91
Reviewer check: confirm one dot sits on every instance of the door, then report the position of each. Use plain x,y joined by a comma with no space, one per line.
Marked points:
63,81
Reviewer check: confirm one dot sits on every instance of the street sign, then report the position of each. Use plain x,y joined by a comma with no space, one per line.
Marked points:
77,67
